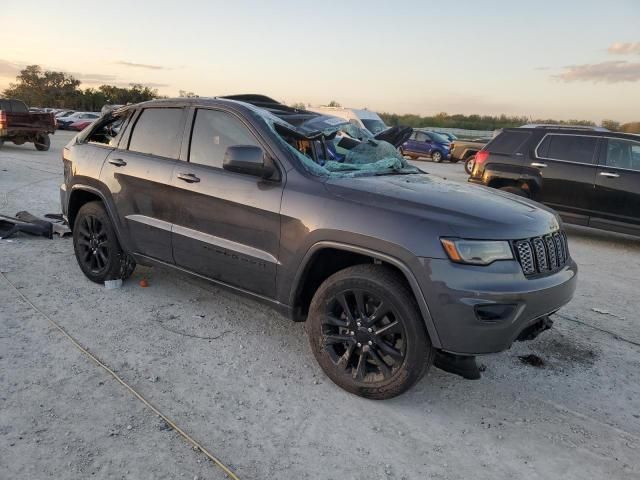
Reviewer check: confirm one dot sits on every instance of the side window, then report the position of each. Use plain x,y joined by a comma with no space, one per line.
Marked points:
158,131
623,154
18,107
571,148
213,132
422,137
508,142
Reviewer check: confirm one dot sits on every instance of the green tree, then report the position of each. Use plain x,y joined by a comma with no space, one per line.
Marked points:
333,103
611,125
44,88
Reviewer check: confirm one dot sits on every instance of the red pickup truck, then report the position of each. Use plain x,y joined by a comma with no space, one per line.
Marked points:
18,125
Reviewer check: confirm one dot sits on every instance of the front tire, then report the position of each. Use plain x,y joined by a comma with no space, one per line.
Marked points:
42,142
96,245
367,333
436,156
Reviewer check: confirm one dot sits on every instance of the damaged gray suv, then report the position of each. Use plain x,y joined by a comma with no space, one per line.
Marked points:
390,268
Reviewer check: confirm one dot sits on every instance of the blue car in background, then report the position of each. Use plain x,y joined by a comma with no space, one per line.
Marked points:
427,144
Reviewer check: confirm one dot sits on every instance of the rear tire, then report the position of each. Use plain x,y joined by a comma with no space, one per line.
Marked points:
42,142
469,163
436,156
515,190
96,246
1,142
367,333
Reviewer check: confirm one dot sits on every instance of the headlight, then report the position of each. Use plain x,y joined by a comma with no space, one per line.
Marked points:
476,252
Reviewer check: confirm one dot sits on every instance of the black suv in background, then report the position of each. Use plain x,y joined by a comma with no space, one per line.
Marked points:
591,176
389,267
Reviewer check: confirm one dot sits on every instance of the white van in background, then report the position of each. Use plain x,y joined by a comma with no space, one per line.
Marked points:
366,119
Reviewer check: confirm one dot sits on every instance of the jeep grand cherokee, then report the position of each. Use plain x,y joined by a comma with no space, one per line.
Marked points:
388,266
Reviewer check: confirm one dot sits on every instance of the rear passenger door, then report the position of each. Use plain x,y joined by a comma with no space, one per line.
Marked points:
566,164
617,186
138,175
227,224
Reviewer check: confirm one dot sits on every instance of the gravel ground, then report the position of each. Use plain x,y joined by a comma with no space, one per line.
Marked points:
241,379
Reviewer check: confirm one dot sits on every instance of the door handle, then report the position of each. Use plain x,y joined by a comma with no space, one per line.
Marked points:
188,177
609,174
118,162
539,165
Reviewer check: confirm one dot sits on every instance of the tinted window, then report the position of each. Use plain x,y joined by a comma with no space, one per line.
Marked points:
213,133
436,137
158,131
4,105
623,154
508,142
17,106
571,148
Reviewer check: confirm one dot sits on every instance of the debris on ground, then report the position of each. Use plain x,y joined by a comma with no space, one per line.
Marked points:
27,223
532,359
113,284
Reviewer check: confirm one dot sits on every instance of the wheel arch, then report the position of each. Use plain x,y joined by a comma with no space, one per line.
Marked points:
315,268
83,194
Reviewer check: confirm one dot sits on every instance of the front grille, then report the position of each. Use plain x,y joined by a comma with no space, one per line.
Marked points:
540,255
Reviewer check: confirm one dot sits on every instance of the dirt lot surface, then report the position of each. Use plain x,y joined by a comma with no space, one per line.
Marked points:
241,379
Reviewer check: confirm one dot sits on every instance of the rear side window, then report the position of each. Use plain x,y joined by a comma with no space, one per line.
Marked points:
569,148
508,142
18,107
623,154
4,105
158,131
213,132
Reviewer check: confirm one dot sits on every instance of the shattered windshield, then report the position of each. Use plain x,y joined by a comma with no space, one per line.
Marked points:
327,146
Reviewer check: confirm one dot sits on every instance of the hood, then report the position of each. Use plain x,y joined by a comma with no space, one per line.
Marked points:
467,211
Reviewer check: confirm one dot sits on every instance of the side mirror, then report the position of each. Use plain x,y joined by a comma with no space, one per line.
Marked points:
247,159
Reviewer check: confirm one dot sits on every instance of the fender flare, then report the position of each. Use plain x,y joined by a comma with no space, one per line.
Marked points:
107,205
406,271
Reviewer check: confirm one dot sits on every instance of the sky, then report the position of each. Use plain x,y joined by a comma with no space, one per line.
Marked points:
560,59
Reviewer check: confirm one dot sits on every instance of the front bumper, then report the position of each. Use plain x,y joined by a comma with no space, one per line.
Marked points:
459,295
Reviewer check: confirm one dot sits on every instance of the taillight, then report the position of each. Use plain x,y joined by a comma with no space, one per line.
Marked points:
481,157
3,120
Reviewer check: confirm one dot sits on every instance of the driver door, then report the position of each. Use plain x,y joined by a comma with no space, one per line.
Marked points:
227,224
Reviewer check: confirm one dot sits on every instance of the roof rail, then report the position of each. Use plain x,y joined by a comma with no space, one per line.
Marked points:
564,126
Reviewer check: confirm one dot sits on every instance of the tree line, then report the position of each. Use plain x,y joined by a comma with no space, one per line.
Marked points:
491,122
45,88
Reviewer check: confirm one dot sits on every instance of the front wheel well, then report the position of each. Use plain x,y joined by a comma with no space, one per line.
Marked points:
76,201
321,266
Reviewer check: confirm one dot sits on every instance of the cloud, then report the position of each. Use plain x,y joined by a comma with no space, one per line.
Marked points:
141,65
624,48
615,71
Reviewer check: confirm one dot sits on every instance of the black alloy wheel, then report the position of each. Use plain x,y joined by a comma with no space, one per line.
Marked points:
363,337
96,245
367,333
93,244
